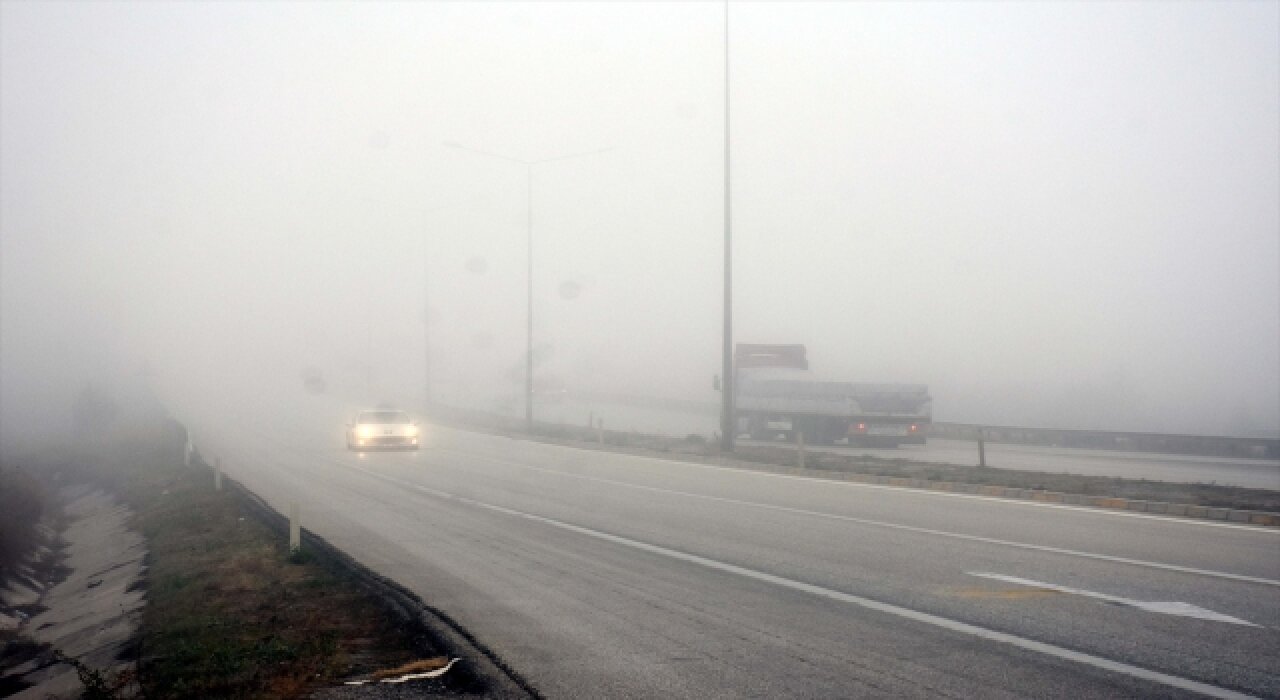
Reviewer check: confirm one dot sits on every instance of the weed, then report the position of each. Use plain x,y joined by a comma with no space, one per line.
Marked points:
300,556
99,684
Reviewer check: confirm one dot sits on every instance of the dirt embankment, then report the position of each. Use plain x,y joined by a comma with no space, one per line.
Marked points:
229,610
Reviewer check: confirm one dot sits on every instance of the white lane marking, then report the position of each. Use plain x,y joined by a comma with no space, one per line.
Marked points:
893,526
917,491
888,608
1180,609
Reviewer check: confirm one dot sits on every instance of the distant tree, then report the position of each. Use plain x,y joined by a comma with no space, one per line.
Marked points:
22,503
94,410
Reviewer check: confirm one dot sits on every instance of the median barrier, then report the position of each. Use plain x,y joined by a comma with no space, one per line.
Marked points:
1257,518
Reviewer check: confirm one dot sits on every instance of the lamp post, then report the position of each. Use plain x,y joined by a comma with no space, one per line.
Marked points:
426,285
728,422
426,310
528,165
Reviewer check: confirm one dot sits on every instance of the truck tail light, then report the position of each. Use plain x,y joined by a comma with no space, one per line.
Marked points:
914,427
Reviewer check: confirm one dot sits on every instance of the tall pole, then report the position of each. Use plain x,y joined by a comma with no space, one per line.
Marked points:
426,310
426,328
528,348
728,422
528,353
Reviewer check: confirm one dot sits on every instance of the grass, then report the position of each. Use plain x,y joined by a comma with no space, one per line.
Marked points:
230,612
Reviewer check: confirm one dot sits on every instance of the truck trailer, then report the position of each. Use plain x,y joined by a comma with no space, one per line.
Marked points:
777,396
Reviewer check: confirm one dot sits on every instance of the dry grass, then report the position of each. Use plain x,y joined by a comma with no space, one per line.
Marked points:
230,613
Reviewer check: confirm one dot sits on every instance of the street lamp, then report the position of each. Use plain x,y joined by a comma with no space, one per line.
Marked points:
426,315
528,165
426,288
728,421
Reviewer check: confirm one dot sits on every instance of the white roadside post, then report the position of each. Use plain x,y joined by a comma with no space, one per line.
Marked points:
800,449
295,529
982,449
217,474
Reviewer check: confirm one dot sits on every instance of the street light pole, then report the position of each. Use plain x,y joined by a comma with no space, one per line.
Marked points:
426,331
426,313
528,354
728,422
528,316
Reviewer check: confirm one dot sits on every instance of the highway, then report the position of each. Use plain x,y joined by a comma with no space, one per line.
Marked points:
603,575
1252,473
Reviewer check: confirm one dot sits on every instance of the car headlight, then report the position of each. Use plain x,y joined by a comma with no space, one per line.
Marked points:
412,431
364,431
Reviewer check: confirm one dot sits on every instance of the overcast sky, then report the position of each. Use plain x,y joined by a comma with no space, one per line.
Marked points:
1053,214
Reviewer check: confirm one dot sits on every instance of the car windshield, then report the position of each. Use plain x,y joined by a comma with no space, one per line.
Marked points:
847,348
384,417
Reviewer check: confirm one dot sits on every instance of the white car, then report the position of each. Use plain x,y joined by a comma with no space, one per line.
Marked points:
383,429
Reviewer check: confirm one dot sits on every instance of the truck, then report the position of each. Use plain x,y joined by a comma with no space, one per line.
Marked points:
777,396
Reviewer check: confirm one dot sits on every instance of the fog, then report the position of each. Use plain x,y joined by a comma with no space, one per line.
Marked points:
1062,215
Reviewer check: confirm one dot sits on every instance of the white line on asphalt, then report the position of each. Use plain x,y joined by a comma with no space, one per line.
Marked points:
907,613
1174,520
893,526
1180,609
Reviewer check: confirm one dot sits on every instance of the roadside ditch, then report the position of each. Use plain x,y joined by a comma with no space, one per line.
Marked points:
142,580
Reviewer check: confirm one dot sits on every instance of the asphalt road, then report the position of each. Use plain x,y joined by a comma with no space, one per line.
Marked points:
603,575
